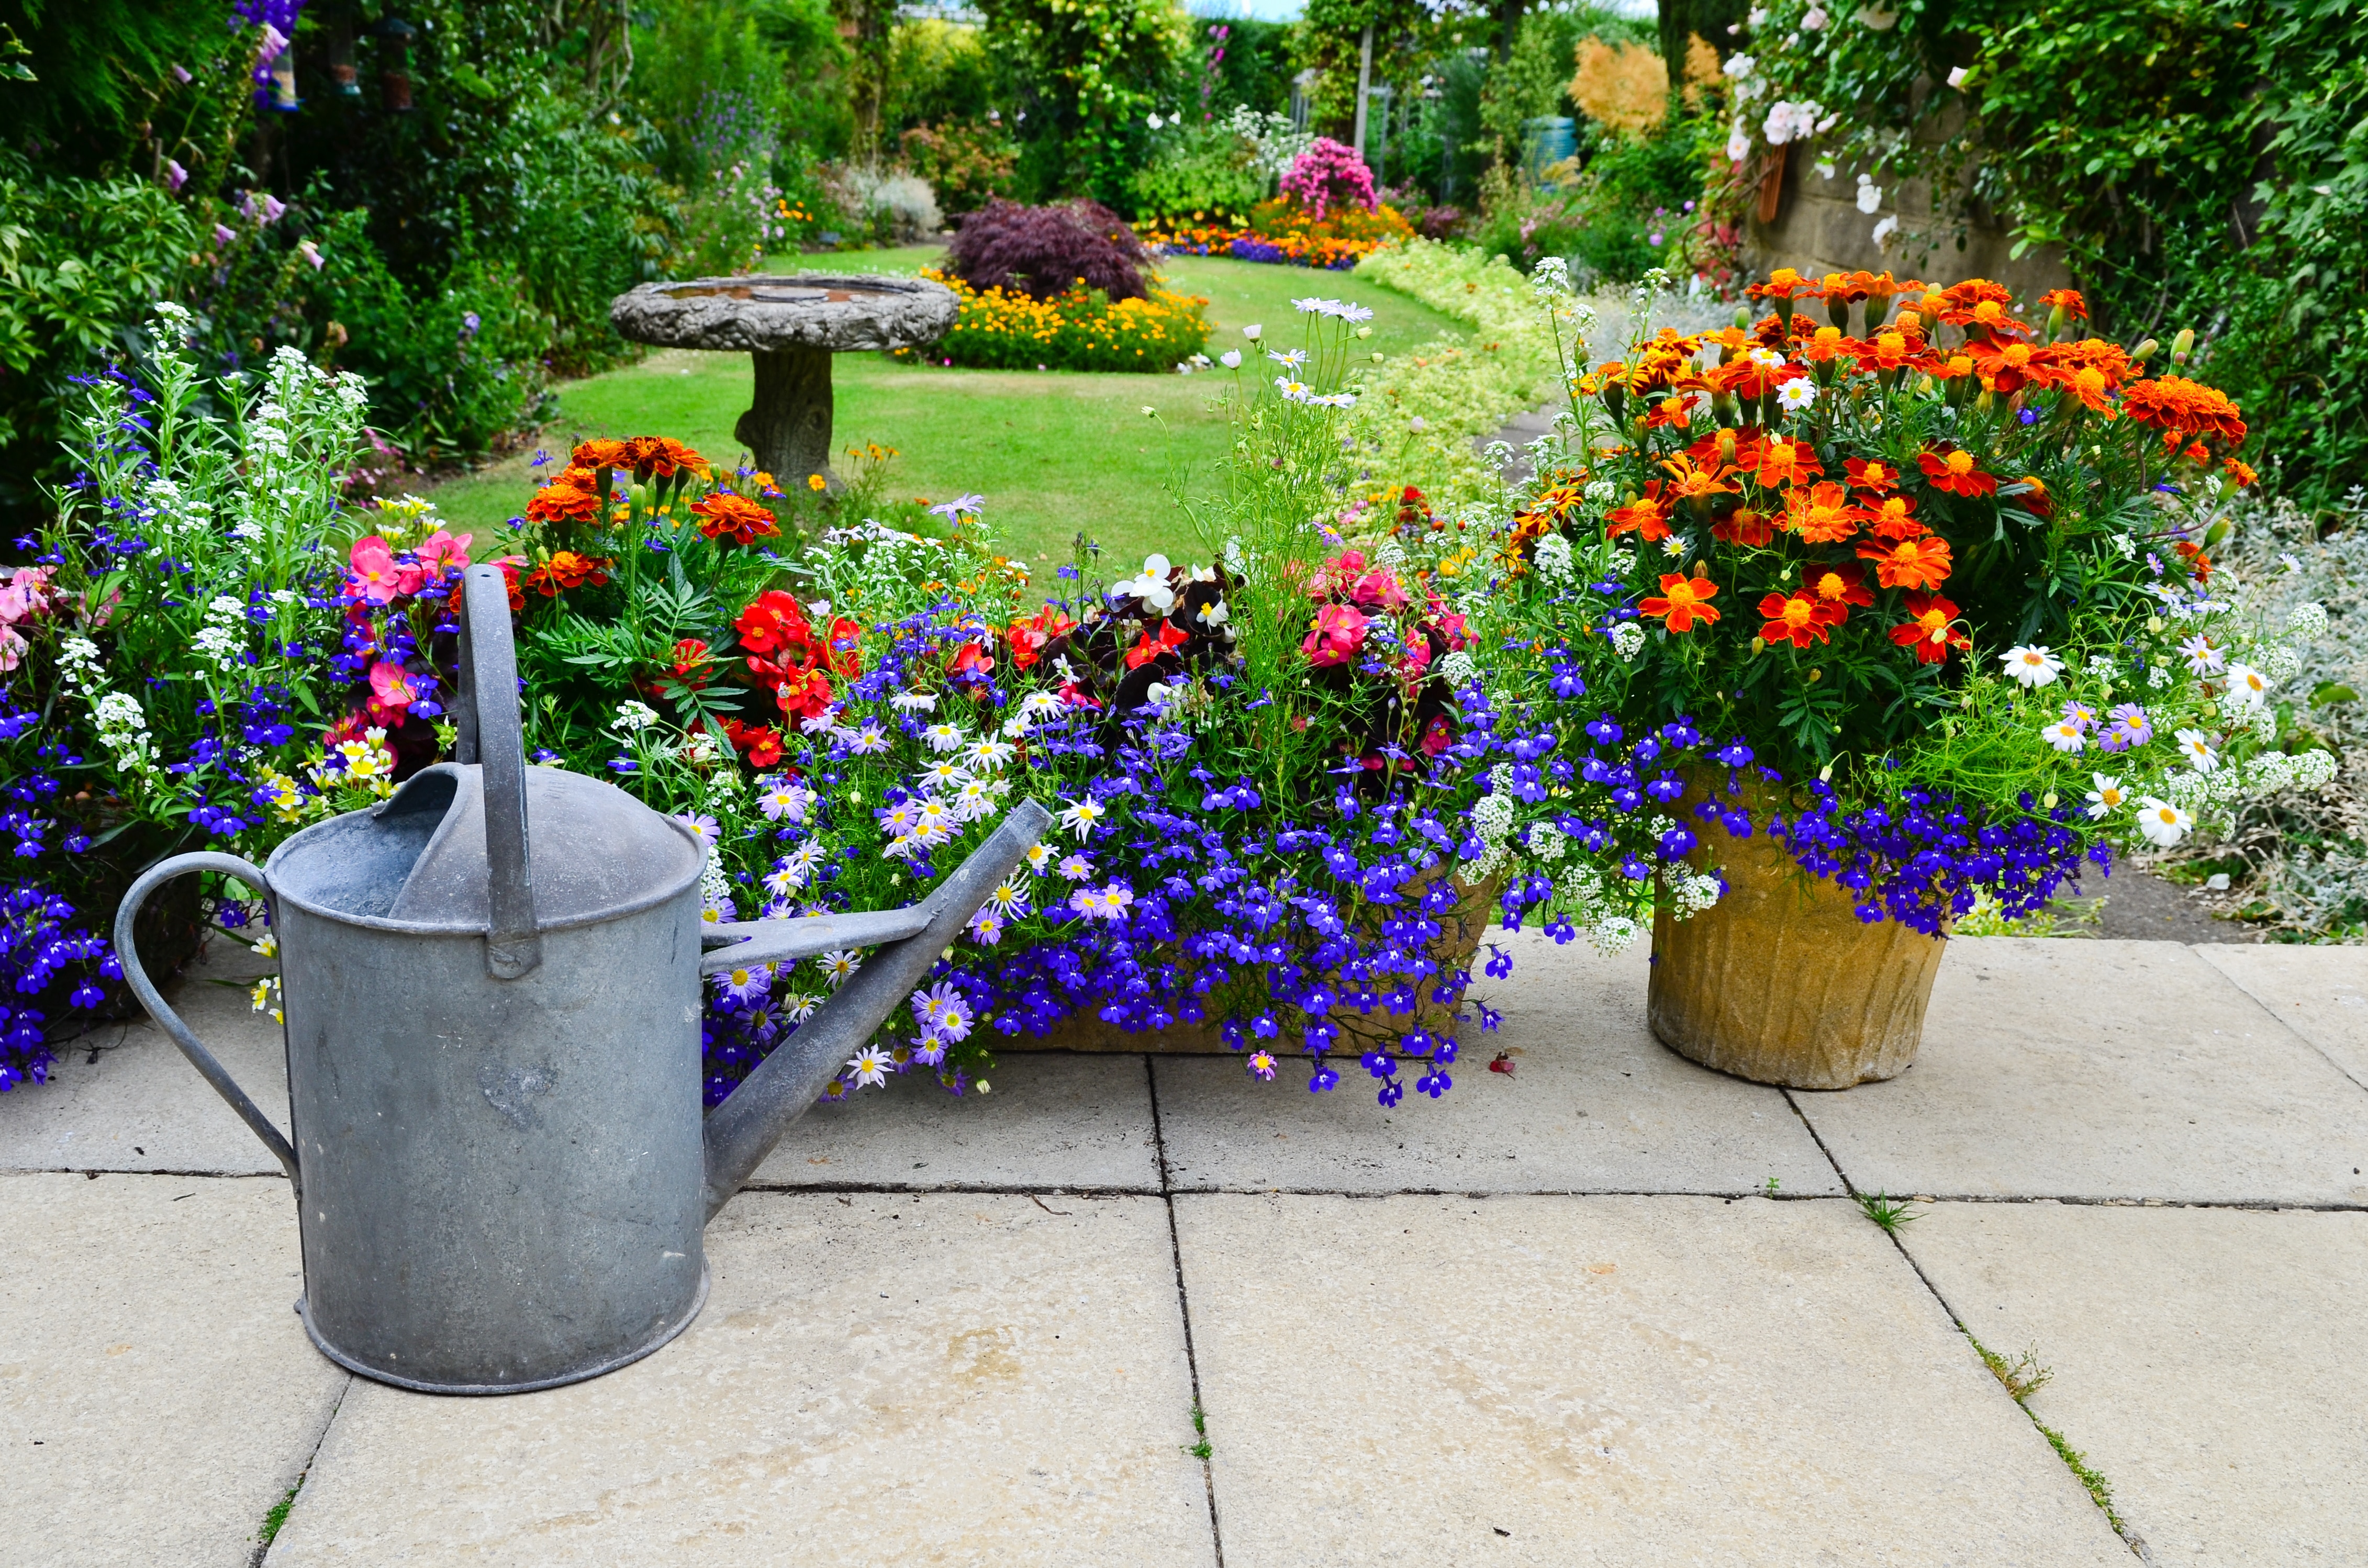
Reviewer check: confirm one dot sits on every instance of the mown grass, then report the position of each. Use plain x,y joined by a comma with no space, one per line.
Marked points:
1054,453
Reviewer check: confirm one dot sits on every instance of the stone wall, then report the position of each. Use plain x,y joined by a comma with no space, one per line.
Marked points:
1817,229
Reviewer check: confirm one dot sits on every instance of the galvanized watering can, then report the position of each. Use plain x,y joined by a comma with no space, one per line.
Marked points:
501,1166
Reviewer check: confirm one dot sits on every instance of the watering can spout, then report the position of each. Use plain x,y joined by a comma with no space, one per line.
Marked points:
907,944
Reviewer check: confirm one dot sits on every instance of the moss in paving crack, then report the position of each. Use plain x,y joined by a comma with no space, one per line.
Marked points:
273,1520
1890,1213
2024,1376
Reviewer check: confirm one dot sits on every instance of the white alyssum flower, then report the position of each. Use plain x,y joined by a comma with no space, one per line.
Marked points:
1627,638
1554,558
1546,841
634,716
2306,622
1614,936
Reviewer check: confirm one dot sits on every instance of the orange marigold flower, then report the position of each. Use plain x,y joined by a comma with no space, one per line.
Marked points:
1837,585
1783,284
600,456
1871,473
1891,516
1670,410
2182,408
1979,305
566,570
1827,343
1736,449
1796,617
1930,629
1919,562
1952,469
573,497
1683,602
1898,348
1787,462
1744,526
1647,516
1820,514
2242,473
732,519
661,457
2068,301
1687,481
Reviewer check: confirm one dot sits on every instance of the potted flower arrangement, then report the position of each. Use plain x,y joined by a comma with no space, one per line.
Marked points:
1294,780
1944,565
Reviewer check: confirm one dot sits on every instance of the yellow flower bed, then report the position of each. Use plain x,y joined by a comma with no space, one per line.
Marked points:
1081,330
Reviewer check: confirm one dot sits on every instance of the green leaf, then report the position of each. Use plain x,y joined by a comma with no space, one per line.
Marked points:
2331,691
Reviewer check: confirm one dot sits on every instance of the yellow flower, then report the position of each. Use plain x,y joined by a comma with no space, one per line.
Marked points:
816,482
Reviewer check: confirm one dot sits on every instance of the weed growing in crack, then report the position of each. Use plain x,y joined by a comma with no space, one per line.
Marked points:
2024,1376
1887,1211
1200,1450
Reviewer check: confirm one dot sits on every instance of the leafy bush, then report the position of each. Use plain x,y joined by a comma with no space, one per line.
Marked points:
967,165
1082,329
1218,169
1043,252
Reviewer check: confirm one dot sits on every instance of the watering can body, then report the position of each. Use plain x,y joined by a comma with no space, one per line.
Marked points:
501,1165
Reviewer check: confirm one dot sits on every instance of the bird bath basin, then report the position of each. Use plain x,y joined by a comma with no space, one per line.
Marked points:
792,325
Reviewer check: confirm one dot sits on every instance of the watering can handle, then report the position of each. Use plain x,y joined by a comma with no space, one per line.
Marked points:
492,736
127,914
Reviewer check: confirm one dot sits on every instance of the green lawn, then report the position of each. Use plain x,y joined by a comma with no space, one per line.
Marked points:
1053,454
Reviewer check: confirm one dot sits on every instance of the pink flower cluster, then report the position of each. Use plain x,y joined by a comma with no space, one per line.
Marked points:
379,576
1330,174
24,595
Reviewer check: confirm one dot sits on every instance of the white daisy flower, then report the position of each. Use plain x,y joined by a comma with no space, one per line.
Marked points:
1079,816
2107,798
2163,824
1794,396
869,1066
2032,665
838,966
2065,735
2246,685
2194,746
1039,857
914,701
2202,658
988,756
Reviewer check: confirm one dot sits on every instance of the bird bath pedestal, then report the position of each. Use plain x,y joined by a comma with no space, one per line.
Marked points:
792,325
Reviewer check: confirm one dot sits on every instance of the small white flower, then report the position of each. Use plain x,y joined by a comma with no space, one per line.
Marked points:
1884,230
2247,687
1290,361
914,701
2202,657
1079,816
2194,746
869,1066
1231,358
1957,76
1794,396
1252,331
1150,585
2032,665
634,716
2163,824
944,737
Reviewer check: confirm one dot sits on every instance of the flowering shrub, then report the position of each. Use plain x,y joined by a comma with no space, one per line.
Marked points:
1328,175
1949,576
1081,330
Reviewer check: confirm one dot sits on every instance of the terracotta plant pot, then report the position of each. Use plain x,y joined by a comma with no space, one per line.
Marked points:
1781,981
1459,940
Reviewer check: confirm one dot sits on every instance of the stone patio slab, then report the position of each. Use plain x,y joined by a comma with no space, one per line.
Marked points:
2321,994
1050,1120
1594,1104
2102,1070
158,1395
957,1379
2207,1361
140,1106
1602,1380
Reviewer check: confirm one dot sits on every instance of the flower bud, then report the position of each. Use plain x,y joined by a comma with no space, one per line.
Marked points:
1364,332
2145,351
2182,346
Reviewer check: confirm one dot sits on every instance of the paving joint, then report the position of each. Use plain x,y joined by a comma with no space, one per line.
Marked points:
296,1493
1184,1310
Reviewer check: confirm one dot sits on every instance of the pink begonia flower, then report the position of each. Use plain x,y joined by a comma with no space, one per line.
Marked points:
440,550
376,576
1379,590
1451,626
391,692
13,608
12,648
1339,632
